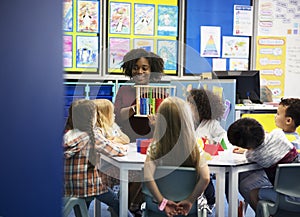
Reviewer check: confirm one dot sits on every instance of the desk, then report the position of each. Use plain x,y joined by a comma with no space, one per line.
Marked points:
218,165
254,109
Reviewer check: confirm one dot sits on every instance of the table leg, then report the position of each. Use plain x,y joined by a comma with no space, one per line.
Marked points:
220,192
97,208
233,192
123,192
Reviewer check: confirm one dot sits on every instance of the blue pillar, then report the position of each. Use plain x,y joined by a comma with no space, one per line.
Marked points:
31,108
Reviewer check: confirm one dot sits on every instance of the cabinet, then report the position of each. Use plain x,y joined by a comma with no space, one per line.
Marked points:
88,90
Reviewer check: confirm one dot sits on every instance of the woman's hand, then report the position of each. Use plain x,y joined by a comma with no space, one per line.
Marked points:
184,207
152,119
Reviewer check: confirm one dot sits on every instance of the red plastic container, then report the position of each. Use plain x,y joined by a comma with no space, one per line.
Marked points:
144,145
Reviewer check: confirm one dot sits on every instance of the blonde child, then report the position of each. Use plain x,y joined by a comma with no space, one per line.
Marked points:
83,142
106,120
174,144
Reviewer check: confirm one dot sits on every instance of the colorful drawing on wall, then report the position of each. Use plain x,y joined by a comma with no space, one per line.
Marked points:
147,44
167,20
88,16
120,14
67,51
238,64
167,49
144,19
235,47
210,41
87,52
68,15
118,47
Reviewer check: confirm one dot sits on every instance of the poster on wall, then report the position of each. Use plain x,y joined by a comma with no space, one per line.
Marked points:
238,64
235,47
147,44
243,20
88,16
210,41
68,15
67,51
120,18
87,52
144,19
271,57
167,49
278,17
118,47
167,20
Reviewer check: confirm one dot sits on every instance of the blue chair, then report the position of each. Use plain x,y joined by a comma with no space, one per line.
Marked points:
174,183
286,185
71,202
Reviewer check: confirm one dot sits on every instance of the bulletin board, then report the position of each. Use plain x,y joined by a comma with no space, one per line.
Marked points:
224,88
278,46
220,15
152,25
81,28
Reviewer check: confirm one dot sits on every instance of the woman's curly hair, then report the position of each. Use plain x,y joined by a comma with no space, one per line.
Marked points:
209,105
156,63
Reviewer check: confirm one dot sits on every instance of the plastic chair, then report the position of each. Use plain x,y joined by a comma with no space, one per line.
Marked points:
71,202
175,183
286,184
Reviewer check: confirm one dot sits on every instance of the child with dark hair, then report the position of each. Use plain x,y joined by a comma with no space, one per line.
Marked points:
288,119
83,142
267,150
142,67
208,108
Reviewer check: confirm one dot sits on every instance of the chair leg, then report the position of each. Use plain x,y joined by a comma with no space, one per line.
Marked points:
78,204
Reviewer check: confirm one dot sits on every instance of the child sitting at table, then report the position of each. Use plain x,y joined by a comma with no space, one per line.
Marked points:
174,144
208,109
288,119
106,121
83,142
267,150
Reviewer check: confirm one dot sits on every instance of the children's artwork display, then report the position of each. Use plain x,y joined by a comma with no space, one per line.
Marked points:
68,15
118,47
167,49
151,25
87,52
81,26
167,20
144,19
147,44
67,50
88,16
120,18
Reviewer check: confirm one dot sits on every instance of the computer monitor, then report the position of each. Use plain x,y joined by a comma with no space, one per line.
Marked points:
247,84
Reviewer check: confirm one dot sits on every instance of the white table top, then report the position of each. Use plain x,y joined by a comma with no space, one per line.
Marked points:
225,158
255,107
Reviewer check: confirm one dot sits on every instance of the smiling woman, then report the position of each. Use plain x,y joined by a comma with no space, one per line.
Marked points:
142,67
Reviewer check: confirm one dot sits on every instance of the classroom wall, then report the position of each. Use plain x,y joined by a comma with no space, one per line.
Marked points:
31,108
